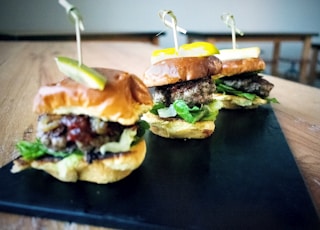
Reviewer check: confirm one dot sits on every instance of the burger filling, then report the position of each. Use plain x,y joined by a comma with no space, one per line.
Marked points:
59,136
249,88
250,83
195,92
190,100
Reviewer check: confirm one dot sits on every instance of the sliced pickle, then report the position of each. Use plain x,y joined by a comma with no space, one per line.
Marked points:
81,73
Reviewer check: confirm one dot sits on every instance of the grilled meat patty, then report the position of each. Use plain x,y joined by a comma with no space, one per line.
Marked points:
68,132
193,92
250,83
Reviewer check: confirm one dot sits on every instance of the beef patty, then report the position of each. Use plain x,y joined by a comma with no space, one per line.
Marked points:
193,92
250,83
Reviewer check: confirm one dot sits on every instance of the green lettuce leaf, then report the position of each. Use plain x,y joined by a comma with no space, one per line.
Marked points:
143,126
34,150
157,106
212,110
272,100
222,88
190,114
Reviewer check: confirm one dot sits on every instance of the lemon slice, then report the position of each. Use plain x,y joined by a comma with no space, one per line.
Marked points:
198,49
231,54
81,73
162,54
195,49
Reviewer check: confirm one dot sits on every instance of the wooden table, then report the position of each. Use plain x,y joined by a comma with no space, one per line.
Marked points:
24,66
275,38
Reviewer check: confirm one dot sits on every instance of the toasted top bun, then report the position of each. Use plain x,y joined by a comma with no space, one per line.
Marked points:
173,70
239,66
176,128
123,100
102,171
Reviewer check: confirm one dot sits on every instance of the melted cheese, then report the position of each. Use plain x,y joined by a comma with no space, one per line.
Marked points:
124,144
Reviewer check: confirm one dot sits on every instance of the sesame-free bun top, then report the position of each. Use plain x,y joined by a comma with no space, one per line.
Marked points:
124,98
239,66
173,70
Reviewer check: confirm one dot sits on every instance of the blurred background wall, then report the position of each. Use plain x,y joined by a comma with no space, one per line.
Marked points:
104,16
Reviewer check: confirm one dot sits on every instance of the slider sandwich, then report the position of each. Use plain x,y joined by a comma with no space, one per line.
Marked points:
183,91
240,84
85,132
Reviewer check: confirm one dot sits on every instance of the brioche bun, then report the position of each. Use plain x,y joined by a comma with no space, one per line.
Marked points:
173,70
123,99
243,71
239,66
111,169
178,128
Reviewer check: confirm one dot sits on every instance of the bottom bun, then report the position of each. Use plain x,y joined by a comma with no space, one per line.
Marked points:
236,102
178,128
102,171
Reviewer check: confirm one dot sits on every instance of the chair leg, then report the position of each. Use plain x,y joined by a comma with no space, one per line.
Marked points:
292,72
313,66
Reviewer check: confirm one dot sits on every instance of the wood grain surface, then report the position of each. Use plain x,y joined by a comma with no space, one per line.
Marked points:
24,66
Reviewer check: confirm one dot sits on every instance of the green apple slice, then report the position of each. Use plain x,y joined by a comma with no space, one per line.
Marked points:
81,73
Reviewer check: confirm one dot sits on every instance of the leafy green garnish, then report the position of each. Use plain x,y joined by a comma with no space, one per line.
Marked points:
272,100
157,106
34,150
143,126
222,88
213,110
192,114
188,114
29,150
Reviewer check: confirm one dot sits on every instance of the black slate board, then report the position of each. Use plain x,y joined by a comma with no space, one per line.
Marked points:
242,177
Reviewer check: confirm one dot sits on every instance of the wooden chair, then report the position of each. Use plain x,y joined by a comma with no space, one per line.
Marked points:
151,37
314,61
